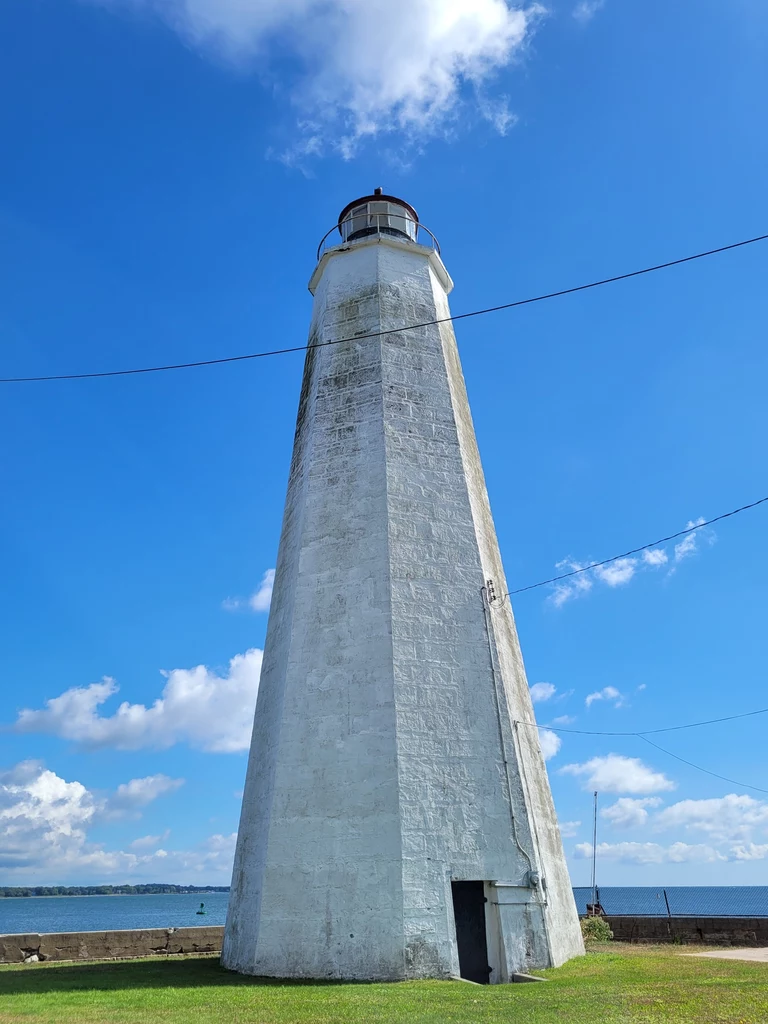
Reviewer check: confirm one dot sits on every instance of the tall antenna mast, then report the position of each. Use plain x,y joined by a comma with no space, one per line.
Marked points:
594,860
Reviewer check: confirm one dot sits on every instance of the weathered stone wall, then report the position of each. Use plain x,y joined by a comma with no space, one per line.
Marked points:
36,947
716,931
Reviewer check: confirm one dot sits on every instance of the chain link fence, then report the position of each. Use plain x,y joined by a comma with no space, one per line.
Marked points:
674,901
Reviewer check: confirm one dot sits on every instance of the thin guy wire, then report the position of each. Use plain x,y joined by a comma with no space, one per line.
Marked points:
394,330
648,732
706,771
635,551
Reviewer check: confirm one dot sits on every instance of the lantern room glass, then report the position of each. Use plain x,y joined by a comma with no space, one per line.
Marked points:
375,217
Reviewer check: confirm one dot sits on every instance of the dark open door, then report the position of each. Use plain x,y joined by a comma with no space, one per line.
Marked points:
469,912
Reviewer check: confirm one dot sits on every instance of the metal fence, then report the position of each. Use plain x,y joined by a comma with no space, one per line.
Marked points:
675,901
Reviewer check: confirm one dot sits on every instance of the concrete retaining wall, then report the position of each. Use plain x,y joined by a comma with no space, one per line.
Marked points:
716,931
109,945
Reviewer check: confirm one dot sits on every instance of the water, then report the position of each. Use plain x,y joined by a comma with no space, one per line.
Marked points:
109,913
684,901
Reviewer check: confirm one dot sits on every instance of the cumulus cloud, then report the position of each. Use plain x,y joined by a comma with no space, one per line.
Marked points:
622,571
197,706
750,852
44,825
585,10
541,692
617,774
550,743
651,853
730,818
363,67
629,813
655,557
609,693
259,601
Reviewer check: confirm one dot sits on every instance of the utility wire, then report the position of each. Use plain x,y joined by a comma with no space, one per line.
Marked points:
394,330
635,551
706,771
648,732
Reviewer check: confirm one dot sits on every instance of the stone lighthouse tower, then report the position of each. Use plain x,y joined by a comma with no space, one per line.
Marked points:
397,820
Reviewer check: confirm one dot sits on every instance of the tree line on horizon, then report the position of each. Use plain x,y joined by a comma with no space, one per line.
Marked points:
150,889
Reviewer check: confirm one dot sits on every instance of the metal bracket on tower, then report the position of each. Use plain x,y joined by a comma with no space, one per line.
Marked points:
491,591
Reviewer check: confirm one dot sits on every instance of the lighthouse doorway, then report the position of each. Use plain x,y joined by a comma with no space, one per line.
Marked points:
469,914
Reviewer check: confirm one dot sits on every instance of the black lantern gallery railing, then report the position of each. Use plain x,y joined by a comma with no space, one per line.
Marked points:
364,223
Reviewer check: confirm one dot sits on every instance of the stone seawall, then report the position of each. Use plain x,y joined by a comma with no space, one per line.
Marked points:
36,947
715,931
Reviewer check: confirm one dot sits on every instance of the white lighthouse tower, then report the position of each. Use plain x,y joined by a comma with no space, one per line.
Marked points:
397,820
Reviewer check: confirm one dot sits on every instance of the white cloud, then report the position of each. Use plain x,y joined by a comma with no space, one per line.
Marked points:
261,600
569,829
209,711
258,601
150,842
618,572
651,853
585,10
750,852
617,774
44,824
621,571
689,545
730,818
609,693
541,692
363,67
576,586
550,743
629,813
655,557
563,720
140,792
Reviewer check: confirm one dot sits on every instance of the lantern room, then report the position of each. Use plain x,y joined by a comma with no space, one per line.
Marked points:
378,214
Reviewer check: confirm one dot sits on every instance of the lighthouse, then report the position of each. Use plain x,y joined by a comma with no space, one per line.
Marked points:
397,820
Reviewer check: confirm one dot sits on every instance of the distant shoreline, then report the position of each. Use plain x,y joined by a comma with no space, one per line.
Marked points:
102,895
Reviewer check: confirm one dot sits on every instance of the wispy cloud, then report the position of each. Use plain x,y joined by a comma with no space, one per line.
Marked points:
585,10
569,829
197,706
608,693
622,571
361,68
652,853
690,544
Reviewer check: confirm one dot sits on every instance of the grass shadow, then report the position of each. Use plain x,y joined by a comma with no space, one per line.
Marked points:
187,972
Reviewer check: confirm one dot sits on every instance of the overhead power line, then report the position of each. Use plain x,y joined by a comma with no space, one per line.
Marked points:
394,330
706,771
636,551
650,732
644,734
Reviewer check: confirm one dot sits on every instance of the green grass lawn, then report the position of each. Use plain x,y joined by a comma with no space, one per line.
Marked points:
616,984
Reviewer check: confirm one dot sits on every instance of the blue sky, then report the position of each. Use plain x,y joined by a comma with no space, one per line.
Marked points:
168,171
